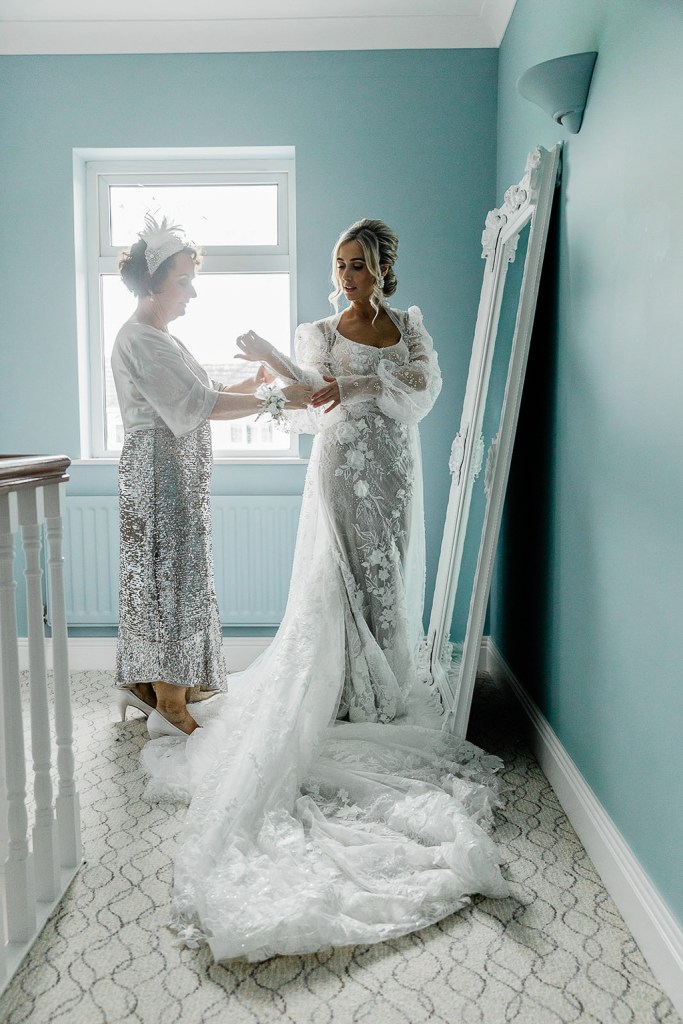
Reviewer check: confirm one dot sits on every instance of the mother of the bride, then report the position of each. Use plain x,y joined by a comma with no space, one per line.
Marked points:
169,640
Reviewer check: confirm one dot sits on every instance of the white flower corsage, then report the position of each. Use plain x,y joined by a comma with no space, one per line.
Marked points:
274,403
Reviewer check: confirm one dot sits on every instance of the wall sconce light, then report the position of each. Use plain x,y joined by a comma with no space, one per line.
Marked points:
560,87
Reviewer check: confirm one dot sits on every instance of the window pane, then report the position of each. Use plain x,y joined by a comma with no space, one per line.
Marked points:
226,305
209,214
117,305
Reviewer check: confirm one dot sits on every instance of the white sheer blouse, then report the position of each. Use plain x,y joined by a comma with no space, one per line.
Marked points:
159,382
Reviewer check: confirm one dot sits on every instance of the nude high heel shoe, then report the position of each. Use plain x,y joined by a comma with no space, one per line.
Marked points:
127,699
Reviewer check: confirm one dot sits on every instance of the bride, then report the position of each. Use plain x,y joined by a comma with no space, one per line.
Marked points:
327,805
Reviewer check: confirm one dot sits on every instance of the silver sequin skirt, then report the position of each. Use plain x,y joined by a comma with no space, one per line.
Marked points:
169,627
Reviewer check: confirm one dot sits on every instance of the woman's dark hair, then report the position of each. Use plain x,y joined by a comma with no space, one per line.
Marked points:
136,276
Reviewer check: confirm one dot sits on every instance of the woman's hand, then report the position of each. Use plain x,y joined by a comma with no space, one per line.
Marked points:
254,348
252,384
298,395
329,394
263,376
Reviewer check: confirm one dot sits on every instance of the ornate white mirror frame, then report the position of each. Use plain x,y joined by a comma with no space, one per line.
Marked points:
507,305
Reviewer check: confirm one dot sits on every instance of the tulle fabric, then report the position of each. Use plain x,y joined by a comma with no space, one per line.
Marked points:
304,832
295,842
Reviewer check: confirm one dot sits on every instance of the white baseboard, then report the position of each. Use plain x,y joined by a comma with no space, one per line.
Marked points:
650,921
99,652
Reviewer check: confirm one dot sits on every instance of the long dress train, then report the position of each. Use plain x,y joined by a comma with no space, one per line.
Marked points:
304,831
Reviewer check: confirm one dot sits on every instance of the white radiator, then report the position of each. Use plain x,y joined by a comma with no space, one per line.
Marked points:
91,561
253,538
253,548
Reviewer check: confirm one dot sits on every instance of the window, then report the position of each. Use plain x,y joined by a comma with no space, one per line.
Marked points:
238,206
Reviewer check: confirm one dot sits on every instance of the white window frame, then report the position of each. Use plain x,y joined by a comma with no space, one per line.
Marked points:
94,171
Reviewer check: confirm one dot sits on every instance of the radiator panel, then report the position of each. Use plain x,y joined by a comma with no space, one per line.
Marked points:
91,561
253,539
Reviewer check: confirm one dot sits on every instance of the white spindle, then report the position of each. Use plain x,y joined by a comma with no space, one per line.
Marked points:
68,810
27,484
19,888
45,858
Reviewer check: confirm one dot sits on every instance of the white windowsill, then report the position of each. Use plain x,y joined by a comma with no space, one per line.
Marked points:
236,461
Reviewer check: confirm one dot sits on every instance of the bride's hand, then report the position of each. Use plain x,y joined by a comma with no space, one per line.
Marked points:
263,376
253,348
298,395
329,394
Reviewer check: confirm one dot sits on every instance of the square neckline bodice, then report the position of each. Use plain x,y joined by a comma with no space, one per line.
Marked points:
362,344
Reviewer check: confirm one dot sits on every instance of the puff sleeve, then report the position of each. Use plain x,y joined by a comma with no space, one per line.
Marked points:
404,391
312,349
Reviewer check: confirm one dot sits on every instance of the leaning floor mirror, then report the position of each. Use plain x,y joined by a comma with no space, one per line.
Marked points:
513,245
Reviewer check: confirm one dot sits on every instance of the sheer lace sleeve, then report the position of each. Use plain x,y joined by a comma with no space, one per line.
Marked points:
404,391
312,357
312,349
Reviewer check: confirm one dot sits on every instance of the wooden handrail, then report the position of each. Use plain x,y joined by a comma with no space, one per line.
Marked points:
18,472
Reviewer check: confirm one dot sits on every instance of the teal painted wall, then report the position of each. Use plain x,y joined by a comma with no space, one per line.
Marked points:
406,136
589,591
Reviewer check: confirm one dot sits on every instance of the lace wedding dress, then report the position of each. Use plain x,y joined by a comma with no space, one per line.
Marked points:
304,831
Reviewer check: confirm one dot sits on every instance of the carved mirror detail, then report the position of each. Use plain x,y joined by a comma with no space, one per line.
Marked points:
513,244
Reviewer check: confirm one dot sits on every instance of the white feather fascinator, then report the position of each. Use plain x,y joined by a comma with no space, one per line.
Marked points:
162,241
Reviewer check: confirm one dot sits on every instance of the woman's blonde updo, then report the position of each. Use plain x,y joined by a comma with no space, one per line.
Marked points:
380,249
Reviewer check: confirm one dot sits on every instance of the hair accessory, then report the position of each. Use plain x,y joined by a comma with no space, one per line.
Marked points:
162,241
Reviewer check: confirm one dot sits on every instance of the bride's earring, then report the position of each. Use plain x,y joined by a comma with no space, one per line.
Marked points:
380,283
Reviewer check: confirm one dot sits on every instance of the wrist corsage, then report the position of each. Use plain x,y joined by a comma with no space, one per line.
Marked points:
274,403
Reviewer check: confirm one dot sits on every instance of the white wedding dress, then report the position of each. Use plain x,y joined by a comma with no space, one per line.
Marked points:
304,831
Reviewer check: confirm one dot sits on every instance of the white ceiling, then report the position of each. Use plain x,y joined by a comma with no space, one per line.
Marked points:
220,26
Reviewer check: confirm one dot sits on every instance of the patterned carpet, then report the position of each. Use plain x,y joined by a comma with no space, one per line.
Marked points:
556,951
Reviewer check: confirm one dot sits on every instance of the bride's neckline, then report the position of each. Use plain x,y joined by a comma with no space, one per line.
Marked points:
365,344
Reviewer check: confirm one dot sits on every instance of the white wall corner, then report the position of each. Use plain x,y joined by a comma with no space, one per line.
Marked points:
496,15
653,926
